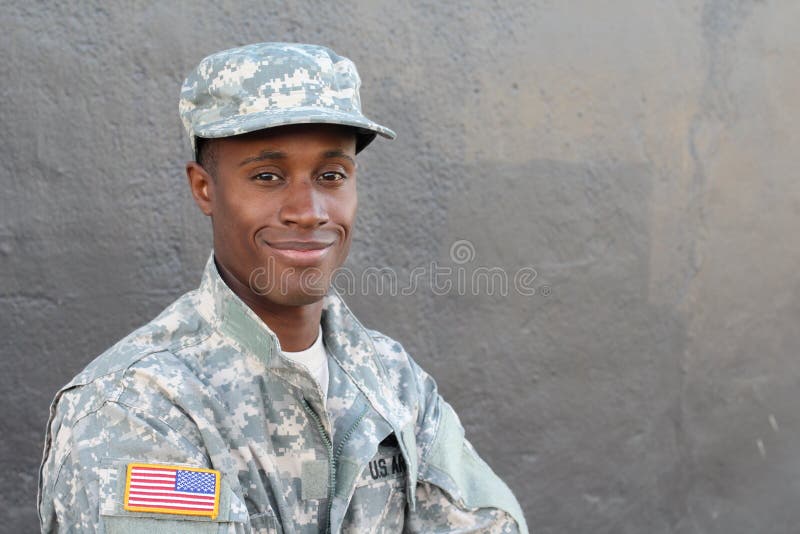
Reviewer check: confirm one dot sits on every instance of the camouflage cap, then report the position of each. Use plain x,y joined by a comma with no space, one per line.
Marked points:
264,85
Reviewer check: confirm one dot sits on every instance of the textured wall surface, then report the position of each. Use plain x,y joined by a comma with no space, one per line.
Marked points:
639,155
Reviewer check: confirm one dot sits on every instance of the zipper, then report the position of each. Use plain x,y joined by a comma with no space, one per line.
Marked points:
333,457
350,432
329,447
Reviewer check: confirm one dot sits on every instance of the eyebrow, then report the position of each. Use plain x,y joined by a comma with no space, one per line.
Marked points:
262,156
338,154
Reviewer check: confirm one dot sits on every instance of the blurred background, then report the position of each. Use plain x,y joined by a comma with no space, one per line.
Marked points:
638,157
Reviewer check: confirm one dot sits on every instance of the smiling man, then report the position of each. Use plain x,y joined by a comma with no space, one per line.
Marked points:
258,402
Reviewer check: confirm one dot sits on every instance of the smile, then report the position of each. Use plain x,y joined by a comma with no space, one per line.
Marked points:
301,252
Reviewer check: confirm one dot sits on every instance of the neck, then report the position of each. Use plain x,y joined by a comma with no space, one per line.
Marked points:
297,327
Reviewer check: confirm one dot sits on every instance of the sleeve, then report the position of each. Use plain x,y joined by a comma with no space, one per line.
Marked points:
457,490
66,505
436,512
85,458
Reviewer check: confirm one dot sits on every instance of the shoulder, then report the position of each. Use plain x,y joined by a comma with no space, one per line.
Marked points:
394,356
152,348
411,384
176,326
386,347
126,399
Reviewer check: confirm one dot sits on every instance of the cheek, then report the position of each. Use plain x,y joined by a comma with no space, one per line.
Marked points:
244,213
350,218
346,212
345,218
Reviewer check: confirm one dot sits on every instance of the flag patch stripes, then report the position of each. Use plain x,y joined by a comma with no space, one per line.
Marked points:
169,489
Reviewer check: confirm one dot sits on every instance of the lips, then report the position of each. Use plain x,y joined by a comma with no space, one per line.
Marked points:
301,252
299,245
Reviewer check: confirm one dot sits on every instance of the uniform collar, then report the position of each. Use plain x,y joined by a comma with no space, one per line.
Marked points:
226,312
346,339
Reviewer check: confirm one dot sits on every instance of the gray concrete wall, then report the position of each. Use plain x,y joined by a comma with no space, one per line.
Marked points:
639,155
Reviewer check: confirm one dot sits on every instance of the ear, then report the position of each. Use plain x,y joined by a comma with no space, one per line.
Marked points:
202,187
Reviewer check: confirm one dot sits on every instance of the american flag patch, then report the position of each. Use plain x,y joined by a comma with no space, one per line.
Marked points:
172,490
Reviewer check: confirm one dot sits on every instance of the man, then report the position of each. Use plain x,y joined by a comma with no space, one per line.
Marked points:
258,402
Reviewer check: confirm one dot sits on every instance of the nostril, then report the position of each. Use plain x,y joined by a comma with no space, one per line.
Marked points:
304,212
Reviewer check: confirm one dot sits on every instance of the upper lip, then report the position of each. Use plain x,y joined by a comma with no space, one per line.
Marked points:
299,244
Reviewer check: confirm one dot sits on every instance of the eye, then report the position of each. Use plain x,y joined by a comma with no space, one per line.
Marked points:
266,177
332,176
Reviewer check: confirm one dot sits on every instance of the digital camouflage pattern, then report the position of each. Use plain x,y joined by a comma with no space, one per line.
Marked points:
264,85
205,385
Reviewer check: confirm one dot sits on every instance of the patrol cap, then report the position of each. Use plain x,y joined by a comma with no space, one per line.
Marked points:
264,85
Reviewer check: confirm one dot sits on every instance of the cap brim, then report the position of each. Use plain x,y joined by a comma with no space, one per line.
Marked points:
271,119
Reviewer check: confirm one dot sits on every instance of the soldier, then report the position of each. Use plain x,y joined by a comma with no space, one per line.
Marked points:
258,402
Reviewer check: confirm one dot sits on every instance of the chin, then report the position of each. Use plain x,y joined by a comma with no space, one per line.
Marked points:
297,296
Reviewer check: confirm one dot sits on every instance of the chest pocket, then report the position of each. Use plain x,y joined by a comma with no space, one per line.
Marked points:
379,499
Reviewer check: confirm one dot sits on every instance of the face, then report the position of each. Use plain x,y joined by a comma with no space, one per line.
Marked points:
282,203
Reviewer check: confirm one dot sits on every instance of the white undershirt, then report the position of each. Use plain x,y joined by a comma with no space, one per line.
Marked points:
315,359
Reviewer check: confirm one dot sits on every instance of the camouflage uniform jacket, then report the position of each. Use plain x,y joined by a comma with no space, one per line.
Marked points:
204,385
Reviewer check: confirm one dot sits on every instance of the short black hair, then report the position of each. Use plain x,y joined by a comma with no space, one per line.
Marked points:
205,154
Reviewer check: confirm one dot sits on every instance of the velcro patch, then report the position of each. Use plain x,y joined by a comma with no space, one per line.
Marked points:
167,489
314,480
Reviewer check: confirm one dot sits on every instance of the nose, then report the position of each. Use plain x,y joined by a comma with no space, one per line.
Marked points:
303,206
